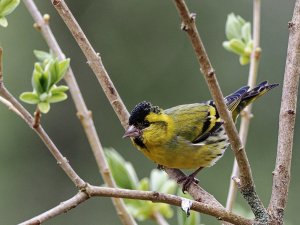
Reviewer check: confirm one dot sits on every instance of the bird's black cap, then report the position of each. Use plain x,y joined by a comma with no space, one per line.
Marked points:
140,111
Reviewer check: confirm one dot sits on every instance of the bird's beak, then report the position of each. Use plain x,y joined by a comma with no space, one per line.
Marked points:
132,131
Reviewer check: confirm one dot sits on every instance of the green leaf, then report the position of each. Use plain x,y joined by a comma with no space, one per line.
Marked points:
63,65
61,88
43,97
7,6
157,179
44,107
143,184
52,67
3,22
42,56
57,97
124,175
246,32
132,175
244,59
38,68
142,211
29,97
193,219
45,80
168,187
164,209
35,81
51,72
237,46
249,48
233,26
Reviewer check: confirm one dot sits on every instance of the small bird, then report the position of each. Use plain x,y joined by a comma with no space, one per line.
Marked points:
189,136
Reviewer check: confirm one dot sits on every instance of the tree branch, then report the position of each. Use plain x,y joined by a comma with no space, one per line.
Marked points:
281,174
247,184
10,106
83,113
197,192
63,207
92,191
246,115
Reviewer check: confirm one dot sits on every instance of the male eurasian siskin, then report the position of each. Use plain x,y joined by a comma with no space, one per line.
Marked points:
187,136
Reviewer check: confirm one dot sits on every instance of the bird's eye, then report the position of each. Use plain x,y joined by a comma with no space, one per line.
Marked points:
146,124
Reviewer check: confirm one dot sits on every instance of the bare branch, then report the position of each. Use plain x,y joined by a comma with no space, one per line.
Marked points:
281,174
10,106
153,196
246,115
217,212
198,193
63,207
247,184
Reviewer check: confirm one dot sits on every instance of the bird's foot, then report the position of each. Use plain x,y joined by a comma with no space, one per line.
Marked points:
160,167
187,181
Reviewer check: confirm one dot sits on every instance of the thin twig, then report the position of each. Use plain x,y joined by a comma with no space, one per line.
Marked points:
282,173
37,117
246,115
84,114
61,160
247,183
103,77
63,207
10,106
92,191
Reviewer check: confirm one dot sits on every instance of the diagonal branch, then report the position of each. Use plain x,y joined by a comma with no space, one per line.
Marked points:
63,207
281,174
93,191
247,184
83,113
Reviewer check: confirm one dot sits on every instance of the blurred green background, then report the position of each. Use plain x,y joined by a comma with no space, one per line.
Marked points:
148,58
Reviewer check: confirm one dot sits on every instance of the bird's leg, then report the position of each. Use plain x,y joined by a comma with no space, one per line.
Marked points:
188,180
160,167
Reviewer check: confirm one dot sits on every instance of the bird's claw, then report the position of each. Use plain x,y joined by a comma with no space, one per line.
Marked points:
186,182
160,167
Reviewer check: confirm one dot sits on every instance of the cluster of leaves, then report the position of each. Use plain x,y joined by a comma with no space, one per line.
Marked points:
6,8
46,74
238,33
126,177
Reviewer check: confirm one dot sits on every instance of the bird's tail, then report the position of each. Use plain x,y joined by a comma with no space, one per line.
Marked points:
238,100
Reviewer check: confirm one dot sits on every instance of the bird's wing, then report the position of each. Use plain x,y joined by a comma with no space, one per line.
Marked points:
195,122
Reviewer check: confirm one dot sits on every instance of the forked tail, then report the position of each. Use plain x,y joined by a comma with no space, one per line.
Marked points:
238,100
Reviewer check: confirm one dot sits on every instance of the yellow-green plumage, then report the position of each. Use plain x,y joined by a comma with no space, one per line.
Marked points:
187,136
172,146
